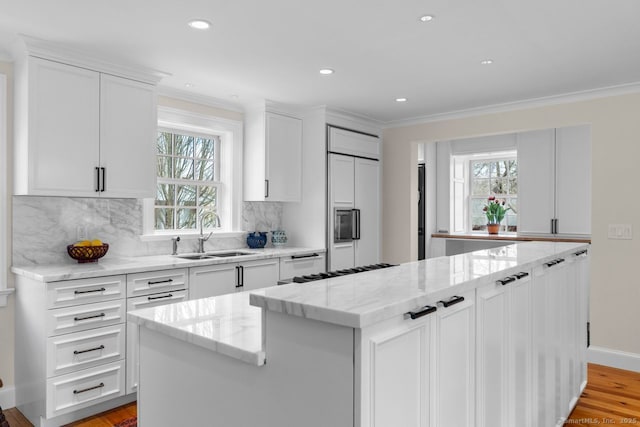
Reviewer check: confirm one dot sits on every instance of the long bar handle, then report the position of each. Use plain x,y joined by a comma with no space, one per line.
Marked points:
157,282
101,347
95,316
160,297
314,255
507,280
88,389
89,291
97,179
103,185
427,309
451,301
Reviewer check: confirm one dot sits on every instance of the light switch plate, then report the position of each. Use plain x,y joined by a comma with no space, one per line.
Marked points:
620,231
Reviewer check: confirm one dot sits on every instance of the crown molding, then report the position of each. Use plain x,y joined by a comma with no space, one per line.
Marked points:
199,99
519,105
57,52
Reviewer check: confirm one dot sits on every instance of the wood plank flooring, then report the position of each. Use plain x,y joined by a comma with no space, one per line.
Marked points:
612,397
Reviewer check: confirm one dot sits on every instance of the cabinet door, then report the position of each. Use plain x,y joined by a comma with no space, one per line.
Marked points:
127,137
284,158
492,356
212,280
63,131
367,200
536,181
573,180
259,274
454,373
341,196
520,352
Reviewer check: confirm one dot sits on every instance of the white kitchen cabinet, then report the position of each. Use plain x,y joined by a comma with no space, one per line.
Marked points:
78,131
300,265
454,373
503,346
554,181
420,372
71,351
272,157
144,290
220,279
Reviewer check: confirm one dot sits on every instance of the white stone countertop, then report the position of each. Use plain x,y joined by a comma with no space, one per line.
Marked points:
225,324
229,325
360,300
110,266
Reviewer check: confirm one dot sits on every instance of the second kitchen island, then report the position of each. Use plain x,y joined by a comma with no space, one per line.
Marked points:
489,338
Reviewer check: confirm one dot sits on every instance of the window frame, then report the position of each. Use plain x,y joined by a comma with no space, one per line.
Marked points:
230,133
511,156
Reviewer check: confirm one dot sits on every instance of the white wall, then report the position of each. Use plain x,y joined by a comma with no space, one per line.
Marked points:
615,121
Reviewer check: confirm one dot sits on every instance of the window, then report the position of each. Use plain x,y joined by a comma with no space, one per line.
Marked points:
493,177
199,175
188,180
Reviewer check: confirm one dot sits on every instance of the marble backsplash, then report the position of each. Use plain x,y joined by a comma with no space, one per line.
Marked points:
44,226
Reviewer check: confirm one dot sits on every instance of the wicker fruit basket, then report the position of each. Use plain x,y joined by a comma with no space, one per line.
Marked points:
87,253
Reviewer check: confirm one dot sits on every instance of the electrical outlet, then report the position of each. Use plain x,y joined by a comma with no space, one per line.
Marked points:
620,231
81,232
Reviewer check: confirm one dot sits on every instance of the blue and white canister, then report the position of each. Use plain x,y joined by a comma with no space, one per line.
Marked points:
278,238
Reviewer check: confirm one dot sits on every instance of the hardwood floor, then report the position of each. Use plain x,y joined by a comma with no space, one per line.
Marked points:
612,397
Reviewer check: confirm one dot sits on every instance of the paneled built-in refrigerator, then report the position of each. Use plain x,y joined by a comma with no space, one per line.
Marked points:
354,227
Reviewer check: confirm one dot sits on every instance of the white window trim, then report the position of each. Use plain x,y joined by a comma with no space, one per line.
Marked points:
232,137
466,161
4,291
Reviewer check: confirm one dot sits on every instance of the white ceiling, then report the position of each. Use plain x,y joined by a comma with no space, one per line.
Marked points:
273,49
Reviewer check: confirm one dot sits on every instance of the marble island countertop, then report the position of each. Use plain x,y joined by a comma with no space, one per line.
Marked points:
228,324
110,266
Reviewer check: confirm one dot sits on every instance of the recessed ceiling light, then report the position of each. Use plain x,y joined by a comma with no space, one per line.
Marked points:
401,99
426,18
200,24
188,85
486,62
326,71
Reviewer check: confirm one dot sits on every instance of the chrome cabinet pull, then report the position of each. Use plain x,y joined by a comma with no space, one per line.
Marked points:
95,316
88,350
88,389
427,309
89,291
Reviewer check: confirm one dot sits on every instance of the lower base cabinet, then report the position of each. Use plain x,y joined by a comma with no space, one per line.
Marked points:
420,372
220,279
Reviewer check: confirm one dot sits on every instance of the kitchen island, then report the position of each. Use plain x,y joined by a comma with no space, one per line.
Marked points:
489,338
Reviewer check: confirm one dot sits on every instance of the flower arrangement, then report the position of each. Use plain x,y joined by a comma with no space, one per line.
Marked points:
495,210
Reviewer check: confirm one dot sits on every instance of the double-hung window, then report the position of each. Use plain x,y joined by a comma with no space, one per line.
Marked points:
189,182
493,177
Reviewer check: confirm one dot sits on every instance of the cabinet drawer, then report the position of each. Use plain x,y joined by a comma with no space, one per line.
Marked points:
84,317
73,292
301,265
81,350
152,282
155,300
70,392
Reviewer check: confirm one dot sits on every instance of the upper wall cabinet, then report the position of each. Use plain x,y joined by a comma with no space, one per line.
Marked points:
554,181
82,133
272,157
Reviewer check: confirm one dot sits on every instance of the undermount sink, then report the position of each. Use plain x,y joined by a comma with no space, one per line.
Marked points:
213,255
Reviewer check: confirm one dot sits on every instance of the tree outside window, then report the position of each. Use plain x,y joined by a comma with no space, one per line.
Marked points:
493,177
188,169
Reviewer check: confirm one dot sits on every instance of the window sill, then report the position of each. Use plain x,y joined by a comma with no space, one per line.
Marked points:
4,295
156,237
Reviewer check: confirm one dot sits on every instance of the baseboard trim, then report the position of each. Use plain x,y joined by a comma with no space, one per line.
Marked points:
8,397
614,358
